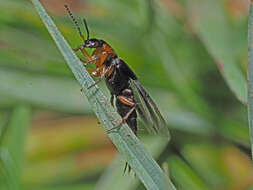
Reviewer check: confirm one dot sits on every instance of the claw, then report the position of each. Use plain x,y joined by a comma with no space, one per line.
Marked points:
76,49
117,127
127,166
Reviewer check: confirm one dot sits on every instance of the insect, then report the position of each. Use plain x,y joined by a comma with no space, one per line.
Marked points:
122,83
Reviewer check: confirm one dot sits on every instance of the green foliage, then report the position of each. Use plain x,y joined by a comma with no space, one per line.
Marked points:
12,149
140,161
107,181
184,175
190,55
220,43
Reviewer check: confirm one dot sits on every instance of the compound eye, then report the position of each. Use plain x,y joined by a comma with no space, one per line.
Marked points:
89,44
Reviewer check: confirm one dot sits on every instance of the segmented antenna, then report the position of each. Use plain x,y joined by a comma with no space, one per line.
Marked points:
87,29
76,23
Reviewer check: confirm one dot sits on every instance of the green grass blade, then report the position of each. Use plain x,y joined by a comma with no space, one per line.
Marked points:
63,93
215,33
8,171
250,75
12,150
16,135
113,177
3,126
126,142
86,186
184,175
206,160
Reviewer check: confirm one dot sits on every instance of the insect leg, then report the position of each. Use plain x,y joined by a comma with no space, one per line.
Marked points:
101,76
112,100
124,119
92,72
89,61
77,49
127,115
84,52
82,60
127,166
99,80
130,104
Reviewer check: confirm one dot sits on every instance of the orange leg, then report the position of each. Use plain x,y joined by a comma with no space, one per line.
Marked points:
92,72
101,72
91,61
128,102
84,52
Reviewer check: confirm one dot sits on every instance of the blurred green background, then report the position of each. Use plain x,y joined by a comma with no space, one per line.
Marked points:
191,55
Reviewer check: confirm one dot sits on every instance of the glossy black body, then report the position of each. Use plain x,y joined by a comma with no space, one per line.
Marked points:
119,85
120,78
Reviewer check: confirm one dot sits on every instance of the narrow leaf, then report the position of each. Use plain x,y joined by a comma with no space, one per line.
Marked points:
8,171
185,176
250,75
12,151
214,31
62,93
113,177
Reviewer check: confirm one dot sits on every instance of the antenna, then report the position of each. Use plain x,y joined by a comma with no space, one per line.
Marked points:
87,29
77,26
